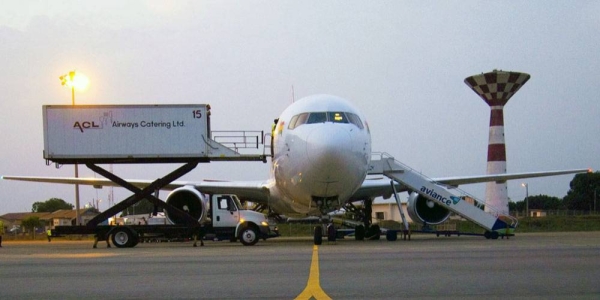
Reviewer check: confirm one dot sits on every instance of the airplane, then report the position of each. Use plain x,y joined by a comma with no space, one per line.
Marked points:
321,155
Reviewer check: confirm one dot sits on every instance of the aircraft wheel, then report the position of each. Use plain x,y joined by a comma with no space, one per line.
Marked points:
248,236
359,233
318,236
374,232
487,235
391,235
124,237
331,233
494,235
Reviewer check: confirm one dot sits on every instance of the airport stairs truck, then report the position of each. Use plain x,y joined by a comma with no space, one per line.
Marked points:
135,134
439,200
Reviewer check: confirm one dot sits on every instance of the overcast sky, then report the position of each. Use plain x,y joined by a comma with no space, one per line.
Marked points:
402,63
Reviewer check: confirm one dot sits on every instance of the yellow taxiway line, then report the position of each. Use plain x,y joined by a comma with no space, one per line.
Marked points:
313,288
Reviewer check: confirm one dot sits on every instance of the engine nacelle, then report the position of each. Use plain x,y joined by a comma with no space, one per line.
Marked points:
421,209
189,200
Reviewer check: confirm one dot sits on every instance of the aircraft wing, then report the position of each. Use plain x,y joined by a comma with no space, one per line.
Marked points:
376,187
456,181
255,191
258,191
380,186
96,182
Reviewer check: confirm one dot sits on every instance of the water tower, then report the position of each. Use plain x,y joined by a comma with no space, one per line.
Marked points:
496,88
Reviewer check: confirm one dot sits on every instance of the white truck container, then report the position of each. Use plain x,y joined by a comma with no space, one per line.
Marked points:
125,132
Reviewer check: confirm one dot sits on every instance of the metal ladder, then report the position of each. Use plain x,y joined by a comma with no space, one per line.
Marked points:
494,223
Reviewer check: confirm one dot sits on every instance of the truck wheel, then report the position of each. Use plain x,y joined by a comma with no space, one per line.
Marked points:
318,236
135,241
359,233
123,238
248,236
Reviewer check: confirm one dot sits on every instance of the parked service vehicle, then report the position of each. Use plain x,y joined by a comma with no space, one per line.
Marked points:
219,215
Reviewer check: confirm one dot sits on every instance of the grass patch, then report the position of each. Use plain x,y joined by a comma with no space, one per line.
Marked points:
543,224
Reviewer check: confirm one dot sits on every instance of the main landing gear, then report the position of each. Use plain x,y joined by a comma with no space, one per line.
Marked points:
320,229
360,233
361,213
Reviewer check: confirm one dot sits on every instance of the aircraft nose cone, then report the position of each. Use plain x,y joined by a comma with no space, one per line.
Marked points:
328,147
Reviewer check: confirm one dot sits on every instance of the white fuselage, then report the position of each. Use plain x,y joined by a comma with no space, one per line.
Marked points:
322,150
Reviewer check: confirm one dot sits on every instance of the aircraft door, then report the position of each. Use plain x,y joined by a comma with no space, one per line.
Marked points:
226,213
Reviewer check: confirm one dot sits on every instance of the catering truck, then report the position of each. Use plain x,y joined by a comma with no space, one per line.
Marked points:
134,134
221,216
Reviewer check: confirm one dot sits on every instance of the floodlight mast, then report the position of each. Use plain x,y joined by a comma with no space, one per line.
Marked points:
72,80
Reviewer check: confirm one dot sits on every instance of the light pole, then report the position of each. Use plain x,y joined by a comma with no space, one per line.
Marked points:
79,81
526,185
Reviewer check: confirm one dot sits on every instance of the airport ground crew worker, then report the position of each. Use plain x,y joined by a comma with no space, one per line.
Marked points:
49,233
273,128
1,232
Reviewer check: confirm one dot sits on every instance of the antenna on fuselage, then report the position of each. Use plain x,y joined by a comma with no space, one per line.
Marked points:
293,97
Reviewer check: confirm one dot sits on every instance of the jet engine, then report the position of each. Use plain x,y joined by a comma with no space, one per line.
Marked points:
423,210
189,200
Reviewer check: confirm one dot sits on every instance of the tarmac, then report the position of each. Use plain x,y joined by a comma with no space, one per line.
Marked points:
527,266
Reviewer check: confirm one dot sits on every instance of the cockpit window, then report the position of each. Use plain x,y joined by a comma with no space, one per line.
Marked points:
354,119
322,117
293,122
317,117
337,117
298,120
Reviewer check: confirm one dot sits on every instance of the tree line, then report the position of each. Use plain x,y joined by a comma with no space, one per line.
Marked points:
584,190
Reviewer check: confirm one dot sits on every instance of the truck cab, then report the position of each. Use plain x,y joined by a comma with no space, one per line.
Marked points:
230,220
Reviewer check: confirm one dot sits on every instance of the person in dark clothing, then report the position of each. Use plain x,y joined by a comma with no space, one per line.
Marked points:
1,232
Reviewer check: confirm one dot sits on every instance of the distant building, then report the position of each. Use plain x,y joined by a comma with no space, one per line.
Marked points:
12,221
58,218
387,209
66,217
537,213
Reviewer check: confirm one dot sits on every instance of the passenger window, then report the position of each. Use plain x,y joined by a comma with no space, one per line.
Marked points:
230,205
317,117
223,203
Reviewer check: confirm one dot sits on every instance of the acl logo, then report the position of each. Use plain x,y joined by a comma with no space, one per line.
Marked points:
86,125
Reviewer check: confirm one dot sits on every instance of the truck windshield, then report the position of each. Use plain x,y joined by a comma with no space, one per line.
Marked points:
236,201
